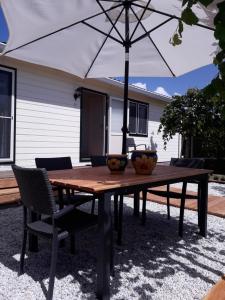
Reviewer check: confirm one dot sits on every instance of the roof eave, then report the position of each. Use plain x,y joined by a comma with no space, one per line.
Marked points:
138,90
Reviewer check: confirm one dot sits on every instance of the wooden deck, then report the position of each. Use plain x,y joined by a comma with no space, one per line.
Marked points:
217,292
216,204
9,193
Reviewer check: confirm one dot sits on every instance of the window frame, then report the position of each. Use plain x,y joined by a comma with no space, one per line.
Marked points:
137,103
11,159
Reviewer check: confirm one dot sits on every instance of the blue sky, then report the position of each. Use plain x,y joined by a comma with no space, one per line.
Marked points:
164,85
195,79
3,28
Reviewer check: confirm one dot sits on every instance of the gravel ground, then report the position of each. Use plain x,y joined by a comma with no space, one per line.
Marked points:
153,263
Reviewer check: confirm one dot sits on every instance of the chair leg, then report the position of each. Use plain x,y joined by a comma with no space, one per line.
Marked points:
144,197
112,271
198,206
136,204
93,207
182,205
60,197
120,223
53,266
116,212
23,251
72,243
168,202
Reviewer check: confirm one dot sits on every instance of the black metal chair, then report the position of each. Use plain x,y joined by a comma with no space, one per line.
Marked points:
131,144
196,163
37,197
63,163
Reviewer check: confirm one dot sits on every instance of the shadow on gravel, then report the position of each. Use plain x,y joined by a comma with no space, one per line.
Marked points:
148,256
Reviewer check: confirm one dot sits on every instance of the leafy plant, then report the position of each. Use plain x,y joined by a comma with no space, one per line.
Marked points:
194,115
188,16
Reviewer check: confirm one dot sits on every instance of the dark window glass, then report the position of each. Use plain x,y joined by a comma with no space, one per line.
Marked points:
138,119
133,118
5,134
143,119
5,93
5,113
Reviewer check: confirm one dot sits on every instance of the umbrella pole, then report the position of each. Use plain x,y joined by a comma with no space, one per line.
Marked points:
126,77
125,105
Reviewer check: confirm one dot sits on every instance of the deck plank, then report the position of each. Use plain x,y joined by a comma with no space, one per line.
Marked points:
217,292
216,204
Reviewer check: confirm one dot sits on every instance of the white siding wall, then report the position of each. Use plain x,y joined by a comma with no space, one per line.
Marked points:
154,139
47,117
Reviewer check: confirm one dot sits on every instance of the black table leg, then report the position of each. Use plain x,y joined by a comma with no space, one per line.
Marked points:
136,204
120,223
116,212
104,245
32,239
144,193
182,206
203,205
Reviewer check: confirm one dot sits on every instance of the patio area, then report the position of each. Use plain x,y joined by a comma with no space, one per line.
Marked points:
153,263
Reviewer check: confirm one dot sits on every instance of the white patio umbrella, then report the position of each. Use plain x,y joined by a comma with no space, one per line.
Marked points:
88,38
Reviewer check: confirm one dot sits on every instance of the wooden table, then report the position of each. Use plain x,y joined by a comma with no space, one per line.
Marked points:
103,185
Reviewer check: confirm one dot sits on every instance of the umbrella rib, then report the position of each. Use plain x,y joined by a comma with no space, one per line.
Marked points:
139,19
61,29
171,16
151,40
151,30
103,44
102,32
162,56
118,1
108,17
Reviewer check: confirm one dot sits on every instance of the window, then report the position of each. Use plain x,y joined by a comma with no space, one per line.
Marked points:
7,104
138,118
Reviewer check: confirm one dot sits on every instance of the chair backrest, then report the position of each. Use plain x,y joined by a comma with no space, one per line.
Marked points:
54,163
35,190
131,144
197,163
98,160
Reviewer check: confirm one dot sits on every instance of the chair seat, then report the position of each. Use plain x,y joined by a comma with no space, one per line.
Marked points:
73,221
175,195
76,199
77,220
43,227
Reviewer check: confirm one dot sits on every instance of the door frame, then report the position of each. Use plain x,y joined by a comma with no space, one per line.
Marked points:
12,158
106,125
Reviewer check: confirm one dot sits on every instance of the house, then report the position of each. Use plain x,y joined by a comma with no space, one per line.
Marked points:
45,112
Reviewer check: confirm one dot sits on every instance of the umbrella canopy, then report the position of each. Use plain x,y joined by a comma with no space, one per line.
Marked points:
89,38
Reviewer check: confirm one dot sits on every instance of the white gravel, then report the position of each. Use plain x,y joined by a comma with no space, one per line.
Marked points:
153,263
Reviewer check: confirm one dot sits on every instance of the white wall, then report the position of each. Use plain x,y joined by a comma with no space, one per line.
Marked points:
154,139
47,116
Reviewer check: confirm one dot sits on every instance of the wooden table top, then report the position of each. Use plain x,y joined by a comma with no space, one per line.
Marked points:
99,179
